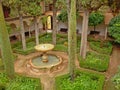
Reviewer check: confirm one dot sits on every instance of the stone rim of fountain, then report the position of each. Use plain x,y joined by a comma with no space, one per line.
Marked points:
47,67
51,46
44,48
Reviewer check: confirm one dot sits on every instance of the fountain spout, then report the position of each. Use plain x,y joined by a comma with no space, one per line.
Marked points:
44,48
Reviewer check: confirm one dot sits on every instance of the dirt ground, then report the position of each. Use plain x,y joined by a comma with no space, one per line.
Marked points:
113,67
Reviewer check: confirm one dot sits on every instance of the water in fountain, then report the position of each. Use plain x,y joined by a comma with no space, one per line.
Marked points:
45,61
52,60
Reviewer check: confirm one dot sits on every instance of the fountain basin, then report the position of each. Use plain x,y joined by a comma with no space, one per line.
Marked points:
44,47
53,64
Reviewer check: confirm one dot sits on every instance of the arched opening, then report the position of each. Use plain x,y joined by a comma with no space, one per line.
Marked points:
26,26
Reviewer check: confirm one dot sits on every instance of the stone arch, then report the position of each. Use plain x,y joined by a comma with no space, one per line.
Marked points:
26,26
14,27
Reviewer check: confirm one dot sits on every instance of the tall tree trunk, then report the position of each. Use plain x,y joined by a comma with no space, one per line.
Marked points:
54,23
22,32
7,55
36,31
106,32
29,31
72,38
94,28
83,48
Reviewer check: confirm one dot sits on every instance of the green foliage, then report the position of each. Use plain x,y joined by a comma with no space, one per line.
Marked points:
3,79
103,47
60,4
95,18
92,4
63,16
62,44
8,28
61,47
6,50
116,80
44,19
95,61
34,8
20,83
44,38
114,28
30,48
83,81
17,6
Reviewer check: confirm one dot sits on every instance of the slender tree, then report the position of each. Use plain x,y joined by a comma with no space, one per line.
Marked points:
87,6
95,18
7,54
72,38
56,4
34,9
17,9
83,47
54,22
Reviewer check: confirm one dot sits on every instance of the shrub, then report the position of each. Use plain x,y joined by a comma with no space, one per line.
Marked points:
95,18
61,47
83,81
114,28
30,48
95,61
116,79
19,83
104,47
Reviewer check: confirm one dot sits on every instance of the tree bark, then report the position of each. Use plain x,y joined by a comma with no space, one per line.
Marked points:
54,23
94,28
106,32
7,55
72,38
29,32
36,31
83,48
22,31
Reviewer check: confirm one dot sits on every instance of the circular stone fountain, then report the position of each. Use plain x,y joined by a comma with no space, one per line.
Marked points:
45,62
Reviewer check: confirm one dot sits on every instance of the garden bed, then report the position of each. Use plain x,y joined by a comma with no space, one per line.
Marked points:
116,80
95,61
103,47
82,81
19,83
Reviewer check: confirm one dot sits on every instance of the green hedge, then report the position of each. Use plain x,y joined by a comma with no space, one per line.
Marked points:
61,47
19,83
24,52
1,65
62,43
116,80
104,47
83,81
95,61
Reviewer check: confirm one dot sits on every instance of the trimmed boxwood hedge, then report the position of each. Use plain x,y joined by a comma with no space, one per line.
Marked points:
83,81
103,47
19,83
116,79
95,61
